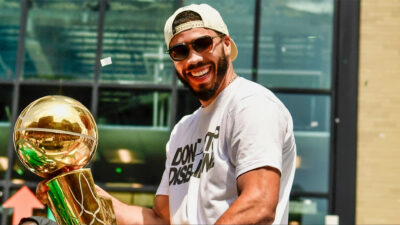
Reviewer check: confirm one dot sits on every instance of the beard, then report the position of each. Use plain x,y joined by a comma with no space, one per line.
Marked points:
205,93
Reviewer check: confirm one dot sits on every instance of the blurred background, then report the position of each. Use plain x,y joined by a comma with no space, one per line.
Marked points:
335,76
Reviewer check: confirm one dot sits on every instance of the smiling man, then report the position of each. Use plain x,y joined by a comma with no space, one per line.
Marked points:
199,53
232,161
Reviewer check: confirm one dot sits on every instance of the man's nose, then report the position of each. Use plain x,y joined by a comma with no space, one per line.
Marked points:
194,57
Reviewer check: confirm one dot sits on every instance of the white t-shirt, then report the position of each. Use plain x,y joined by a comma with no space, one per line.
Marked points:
244,128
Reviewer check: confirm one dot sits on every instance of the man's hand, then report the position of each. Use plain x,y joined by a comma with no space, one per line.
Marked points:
130,214
125,214
102,192
41,192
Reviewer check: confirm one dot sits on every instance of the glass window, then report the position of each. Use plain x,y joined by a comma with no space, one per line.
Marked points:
239,18
5,117
134,39
310,112
187,104
133,131
61,40
5,102
131,155
21,174
295,45
305,210
30,93
4,137
127,107
136,198
9,27
312,172
311,116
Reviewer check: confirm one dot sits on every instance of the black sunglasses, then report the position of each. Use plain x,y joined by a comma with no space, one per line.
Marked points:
180,51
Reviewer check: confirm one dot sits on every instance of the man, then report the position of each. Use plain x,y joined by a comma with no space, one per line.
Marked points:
232,161
36,220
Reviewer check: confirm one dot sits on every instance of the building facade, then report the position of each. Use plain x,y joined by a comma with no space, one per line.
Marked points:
305,51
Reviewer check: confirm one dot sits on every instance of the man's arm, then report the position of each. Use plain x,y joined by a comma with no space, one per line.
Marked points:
125,214
130,214
258,198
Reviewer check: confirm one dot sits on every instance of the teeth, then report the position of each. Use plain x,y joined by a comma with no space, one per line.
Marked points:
200,73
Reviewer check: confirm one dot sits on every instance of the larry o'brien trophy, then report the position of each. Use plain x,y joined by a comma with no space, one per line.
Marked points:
55,137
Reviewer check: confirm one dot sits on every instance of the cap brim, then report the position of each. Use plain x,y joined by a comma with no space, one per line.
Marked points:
234,50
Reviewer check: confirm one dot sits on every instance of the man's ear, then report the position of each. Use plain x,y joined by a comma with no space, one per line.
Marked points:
227,45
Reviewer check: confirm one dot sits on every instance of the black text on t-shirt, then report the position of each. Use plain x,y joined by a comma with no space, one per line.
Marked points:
182,166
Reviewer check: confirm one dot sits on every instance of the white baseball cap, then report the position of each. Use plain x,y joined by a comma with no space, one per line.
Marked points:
210,18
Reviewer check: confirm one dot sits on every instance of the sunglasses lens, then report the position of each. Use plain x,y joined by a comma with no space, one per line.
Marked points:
179,52
202,43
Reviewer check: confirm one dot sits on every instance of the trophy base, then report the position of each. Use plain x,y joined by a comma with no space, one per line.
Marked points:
74,200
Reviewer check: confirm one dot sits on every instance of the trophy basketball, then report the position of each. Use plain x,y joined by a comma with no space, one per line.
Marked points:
55,137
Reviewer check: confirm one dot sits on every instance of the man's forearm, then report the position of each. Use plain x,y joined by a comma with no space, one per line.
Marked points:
130,214
245,211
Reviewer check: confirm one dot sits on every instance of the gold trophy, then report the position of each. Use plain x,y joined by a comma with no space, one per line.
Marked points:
55,137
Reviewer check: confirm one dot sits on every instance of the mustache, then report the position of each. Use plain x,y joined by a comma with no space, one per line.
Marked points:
193,66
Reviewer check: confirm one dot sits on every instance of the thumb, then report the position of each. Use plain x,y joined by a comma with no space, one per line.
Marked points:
41,192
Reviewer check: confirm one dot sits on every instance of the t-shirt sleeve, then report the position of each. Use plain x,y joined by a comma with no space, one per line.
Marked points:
163,188
258,129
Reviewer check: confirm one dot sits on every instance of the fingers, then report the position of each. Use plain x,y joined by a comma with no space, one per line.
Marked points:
102,192
41,192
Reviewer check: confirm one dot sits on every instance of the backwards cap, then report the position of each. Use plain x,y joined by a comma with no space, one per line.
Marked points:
210,18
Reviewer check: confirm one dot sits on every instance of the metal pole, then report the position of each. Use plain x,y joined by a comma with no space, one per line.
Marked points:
99,52
257,18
